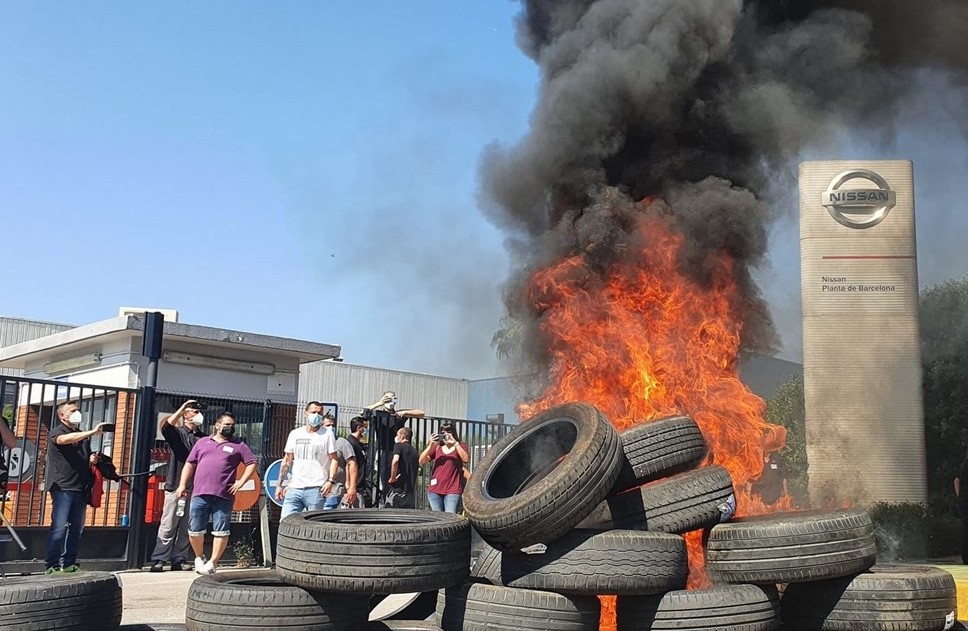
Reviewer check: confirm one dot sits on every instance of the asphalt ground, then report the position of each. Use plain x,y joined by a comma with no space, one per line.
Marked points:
156,601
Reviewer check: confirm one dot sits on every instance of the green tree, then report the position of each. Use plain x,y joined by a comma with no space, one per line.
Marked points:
786,408
944,353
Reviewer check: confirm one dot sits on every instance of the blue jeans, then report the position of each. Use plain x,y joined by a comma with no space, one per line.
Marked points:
298,500
66,526
441,503
220,510
332,502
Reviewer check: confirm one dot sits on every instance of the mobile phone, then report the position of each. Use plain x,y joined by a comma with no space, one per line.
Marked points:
107,428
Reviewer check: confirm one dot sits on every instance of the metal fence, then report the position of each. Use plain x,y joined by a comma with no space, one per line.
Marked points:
30,409
477,435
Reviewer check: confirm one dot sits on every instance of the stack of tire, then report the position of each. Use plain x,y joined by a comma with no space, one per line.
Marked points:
328,566
76,601
572,509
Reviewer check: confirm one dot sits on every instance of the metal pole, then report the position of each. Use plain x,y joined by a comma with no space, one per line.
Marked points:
144,434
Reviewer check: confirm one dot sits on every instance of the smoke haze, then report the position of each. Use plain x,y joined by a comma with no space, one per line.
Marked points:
706,104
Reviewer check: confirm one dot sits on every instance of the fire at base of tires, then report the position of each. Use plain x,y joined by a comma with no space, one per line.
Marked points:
571,509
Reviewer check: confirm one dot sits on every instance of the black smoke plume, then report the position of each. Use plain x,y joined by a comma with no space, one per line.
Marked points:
704,104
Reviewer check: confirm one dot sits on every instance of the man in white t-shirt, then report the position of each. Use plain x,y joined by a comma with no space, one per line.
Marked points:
310,455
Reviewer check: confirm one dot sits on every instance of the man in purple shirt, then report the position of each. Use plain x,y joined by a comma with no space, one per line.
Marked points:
213,462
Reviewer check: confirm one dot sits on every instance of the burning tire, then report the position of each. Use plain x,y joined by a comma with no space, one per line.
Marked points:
588,562
721,608
79,601
895,597
261,600
791,547
373,551
535,484
689,501
657,449
479,607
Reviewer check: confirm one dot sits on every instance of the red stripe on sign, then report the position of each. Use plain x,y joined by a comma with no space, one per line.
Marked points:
867,258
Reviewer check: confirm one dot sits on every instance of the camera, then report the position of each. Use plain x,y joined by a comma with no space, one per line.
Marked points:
201,406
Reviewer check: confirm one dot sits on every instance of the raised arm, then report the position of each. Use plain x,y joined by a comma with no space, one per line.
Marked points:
172,419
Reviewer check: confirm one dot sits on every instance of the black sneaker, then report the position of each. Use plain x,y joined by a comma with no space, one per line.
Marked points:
178,566
158,566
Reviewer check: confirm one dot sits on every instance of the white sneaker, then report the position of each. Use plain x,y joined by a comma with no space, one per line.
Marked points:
208,568
200,565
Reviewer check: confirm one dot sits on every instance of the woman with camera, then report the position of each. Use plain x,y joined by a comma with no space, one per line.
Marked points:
449,456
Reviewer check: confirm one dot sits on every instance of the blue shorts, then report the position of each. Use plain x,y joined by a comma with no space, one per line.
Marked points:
205,506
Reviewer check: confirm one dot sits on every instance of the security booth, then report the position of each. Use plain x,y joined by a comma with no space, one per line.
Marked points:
101,367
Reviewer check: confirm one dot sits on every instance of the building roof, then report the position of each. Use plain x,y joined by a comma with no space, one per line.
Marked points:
131,326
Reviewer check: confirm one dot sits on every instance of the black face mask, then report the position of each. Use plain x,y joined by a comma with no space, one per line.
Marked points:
228,431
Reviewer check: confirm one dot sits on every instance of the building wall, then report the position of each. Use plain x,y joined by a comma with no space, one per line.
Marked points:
17,330
861,348
354,387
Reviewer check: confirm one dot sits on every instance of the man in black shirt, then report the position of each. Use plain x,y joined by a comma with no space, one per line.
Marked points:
69,479
180,430
358,427
384,421
403,472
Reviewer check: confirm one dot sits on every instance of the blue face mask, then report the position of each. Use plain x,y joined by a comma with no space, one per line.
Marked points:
314,420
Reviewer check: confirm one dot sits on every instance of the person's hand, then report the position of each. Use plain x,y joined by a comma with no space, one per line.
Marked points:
393,479
325,490
280,492
350,497
386,398
235,487
434,439
94,457
180,491
449,439
99,428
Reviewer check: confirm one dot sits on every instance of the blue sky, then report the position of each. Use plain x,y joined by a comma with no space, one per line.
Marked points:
309,169
304,169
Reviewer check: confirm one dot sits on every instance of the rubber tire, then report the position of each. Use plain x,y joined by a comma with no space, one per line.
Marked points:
508,516
589,562
76,601
719,608
886,597
481,607
660,448
259,599
682,503
791,547
373,550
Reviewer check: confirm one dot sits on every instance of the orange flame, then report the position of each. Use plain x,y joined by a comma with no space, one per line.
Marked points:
641,341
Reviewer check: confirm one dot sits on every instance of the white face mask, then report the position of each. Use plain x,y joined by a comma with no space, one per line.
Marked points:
196,421
75,418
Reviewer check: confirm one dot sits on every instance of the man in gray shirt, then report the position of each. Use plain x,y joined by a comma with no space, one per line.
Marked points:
344,491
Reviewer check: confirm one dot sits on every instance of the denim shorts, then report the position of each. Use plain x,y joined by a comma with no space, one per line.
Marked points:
205,506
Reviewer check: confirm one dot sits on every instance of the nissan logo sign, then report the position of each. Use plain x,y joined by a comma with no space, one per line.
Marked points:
859,207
